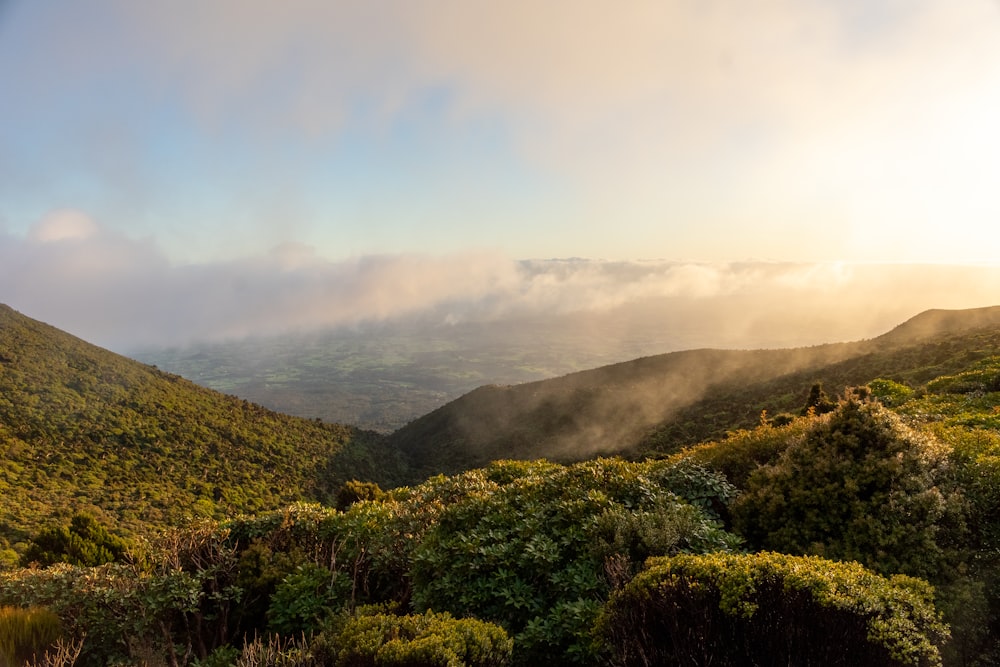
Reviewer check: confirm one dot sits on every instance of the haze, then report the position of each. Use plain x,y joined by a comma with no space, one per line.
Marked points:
173,172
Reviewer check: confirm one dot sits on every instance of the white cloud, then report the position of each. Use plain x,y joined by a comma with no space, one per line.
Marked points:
703,128
61,225
124,293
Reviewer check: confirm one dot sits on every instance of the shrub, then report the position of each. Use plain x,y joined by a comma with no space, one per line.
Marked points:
354,491
984,377
772,609
304,598
859,485
83,542
530,554
743,451
427,640
888,392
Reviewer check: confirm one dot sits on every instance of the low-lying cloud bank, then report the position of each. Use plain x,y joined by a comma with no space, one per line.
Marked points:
125,294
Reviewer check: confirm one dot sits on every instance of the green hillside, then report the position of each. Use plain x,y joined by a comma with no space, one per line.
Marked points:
664,402
85,430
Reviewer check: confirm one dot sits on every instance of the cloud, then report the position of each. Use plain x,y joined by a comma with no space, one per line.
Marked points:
577,64
712,129
595,77
61,225
125,294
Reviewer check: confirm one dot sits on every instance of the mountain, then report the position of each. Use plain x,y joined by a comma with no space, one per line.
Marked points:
86,430
936,322
658,404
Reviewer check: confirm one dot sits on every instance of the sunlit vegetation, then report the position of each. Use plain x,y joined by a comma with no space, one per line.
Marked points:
771,609
531,550
903,479
83,542
857,526
85,431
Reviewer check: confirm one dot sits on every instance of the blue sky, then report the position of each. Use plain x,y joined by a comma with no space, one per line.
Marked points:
245,132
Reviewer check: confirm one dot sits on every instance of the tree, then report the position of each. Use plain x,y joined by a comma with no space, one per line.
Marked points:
818,402
84,542
354,491
770,609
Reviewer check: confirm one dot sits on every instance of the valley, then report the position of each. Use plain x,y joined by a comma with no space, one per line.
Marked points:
154,516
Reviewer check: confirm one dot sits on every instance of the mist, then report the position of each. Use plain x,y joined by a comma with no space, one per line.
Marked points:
125,294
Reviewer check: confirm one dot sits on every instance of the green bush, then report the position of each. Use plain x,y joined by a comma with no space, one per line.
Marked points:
529,551
984,377
771,609
427,640
83,542
859,485
355,491
26,633
744,451
890,393
304,598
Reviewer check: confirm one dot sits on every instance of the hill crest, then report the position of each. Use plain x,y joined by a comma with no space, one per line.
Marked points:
664,401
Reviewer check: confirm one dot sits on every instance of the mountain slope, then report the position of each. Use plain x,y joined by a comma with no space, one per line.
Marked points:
936,323
663,402
83,429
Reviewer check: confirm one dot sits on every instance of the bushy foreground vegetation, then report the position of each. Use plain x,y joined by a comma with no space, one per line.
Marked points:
904,480
534,548
733,610
511,564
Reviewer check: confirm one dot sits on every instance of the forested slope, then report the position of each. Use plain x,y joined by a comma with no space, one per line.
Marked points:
85,430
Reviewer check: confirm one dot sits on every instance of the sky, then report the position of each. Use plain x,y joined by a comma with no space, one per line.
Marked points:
182,170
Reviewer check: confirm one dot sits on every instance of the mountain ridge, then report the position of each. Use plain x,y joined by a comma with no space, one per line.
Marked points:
633,406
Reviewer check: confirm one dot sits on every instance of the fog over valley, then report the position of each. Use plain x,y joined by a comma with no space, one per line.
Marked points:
378,340
126,294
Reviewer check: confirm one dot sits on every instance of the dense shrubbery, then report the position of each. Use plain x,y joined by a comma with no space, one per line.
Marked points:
859,485
536,549
425,640
913,489
529,549
771,609
510,563
532,547
83,542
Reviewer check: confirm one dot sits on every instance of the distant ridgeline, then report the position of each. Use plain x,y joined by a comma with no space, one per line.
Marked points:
658,404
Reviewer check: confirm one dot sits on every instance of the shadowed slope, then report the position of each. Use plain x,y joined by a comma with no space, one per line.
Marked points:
663,402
